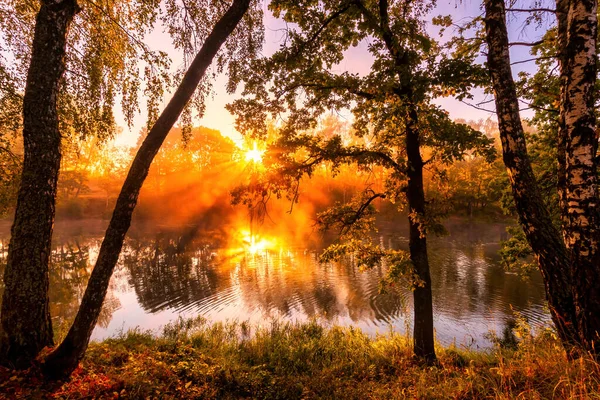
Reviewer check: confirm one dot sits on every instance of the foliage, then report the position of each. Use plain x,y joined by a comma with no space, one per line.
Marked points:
10,144
194,359
10,101
475,184
298,86
203,150
516,254
10,173
104,47
109,58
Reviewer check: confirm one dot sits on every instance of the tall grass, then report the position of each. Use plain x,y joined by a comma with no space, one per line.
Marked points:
283,360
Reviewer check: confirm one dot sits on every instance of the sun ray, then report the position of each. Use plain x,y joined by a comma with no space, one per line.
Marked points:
254,155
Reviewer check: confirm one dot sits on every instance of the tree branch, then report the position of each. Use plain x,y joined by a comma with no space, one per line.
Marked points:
530,44
550,10
347,222
326,22
533,59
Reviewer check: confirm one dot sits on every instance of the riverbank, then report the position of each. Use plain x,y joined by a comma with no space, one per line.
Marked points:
196,359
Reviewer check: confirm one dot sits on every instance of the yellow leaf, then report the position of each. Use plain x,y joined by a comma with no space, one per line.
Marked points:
187,385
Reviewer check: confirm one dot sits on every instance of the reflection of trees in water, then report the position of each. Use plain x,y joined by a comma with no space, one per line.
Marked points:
287,284
294,284
467,279
69,274
69,271
186,271
183,270
164,275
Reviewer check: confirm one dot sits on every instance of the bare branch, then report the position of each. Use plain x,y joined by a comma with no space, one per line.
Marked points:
533,59
530,44
550,10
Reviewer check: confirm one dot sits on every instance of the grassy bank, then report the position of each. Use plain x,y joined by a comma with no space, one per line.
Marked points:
195,359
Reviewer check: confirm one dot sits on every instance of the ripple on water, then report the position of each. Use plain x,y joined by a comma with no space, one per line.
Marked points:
472,293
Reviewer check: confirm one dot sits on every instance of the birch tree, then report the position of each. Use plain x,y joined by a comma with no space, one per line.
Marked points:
100,56
65,358
578,145
568,260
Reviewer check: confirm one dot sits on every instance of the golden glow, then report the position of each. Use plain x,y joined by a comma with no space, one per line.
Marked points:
254,155
255,244
258,246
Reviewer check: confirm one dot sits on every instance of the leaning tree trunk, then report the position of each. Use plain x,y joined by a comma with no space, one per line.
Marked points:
579,143
543,237
66,357
26,326
423,336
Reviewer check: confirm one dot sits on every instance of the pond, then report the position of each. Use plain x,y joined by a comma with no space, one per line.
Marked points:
167,272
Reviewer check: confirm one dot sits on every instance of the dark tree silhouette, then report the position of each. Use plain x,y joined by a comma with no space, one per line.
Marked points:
568,262
61,362
26,326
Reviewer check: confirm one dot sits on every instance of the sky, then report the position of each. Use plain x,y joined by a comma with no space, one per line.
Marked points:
357,60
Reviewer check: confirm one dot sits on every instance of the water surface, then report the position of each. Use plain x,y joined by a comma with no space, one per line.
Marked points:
164,273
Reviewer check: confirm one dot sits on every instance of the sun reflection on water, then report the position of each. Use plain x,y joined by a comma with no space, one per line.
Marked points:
255,244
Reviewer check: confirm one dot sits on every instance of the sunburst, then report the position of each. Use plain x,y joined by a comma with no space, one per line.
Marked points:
254,155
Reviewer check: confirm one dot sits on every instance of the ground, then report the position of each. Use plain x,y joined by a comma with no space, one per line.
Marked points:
197,359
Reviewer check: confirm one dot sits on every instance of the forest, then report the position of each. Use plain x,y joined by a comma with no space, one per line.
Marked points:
299,199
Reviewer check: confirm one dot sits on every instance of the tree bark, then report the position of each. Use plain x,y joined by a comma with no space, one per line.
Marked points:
423,334
544,238
577,33
66,357
562,7
26,326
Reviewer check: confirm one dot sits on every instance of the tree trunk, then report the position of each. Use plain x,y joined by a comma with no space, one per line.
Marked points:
578,32
26,326
562,7
544,238
66,357
423,304
423,336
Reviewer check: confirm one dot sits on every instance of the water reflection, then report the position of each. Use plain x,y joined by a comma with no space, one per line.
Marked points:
70,268
163,275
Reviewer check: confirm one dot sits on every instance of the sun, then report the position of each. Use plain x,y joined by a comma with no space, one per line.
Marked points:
255,244
258,245
254,155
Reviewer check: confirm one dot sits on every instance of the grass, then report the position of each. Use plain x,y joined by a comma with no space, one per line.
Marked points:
197,359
